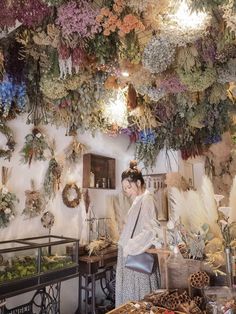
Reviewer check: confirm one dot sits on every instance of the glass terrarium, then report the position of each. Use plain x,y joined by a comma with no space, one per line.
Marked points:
34,261
219,300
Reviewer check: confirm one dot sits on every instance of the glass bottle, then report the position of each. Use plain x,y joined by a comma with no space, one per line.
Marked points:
92,180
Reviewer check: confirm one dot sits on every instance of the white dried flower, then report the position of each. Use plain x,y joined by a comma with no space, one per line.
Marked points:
38,135
153,93
7,211
230,15
4,190
158,54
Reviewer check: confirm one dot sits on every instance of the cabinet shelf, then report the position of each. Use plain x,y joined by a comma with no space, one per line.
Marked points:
103,169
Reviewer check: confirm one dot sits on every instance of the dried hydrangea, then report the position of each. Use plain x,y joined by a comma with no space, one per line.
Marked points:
53,88
197,80
172,84
180,37
158,54
227,73
154,93
218,93
77,17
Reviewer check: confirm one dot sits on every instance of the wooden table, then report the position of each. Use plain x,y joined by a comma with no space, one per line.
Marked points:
92,268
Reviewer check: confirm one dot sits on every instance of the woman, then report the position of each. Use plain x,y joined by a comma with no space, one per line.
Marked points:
132,285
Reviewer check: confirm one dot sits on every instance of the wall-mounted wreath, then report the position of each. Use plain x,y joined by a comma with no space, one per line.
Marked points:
71,195
6,151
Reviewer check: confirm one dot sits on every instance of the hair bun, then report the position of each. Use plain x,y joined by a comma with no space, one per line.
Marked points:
133,164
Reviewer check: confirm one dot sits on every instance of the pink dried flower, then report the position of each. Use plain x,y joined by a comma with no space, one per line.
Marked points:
78,57
64,52
77,17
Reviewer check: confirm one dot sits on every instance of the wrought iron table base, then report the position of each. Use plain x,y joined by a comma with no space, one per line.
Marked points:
47,299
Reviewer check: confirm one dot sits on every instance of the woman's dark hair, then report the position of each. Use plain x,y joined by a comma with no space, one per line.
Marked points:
132,174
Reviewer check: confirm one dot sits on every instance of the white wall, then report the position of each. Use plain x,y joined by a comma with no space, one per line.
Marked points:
67,221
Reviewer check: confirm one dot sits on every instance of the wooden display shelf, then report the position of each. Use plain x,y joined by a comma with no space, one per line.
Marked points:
103,168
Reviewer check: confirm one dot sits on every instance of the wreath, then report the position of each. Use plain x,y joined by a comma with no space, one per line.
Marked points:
6,151
66,193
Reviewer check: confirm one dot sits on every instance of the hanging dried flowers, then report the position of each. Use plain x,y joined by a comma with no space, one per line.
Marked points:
227,73
74,151
12,94
114,19
77,17
171,84
129,48
7,14
218,93
52,179
6,152
158,54
51,37
34,202
197,79
71,195
53,88
145,148
143,118
1,65
30,13
230,15
205,5
34,147
154,93
7,202
48,220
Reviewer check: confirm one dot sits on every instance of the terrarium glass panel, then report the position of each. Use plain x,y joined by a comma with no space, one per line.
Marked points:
56,257
17,264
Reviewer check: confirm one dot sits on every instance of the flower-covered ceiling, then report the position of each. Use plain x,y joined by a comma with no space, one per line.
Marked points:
161,71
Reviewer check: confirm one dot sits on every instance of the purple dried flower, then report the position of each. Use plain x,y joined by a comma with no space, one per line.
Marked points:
172,85
207,49
7,15
77,17
30,13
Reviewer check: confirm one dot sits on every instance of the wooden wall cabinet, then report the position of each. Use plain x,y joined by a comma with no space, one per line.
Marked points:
103,169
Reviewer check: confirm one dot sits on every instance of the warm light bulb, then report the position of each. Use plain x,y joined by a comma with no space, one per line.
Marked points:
116,110
125,74
187,19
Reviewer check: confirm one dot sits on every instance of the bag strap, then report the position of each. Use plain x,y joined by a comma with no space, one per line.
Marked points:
136,220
